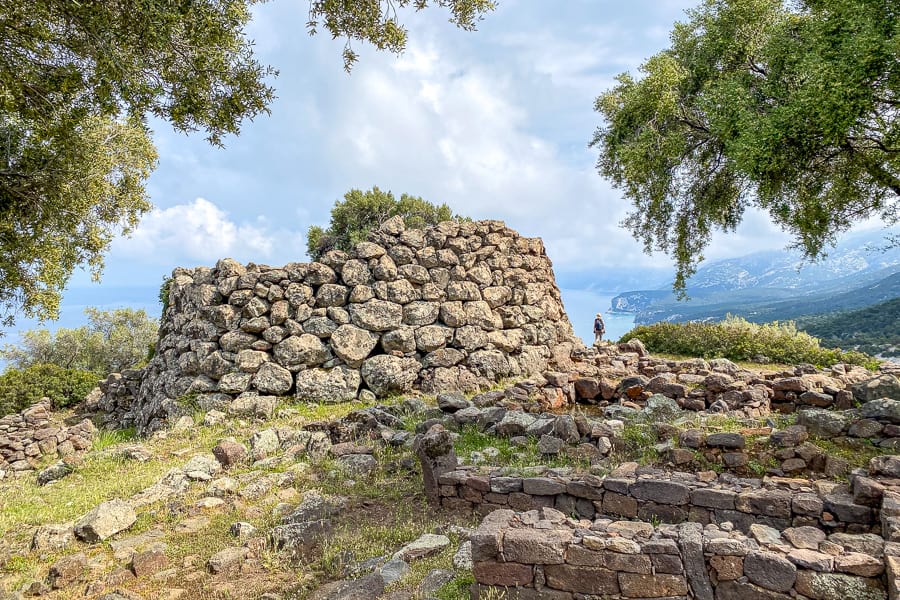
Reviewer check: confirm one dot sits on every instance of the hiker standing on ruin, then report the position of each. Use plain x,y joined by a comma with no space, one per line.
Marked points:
599,329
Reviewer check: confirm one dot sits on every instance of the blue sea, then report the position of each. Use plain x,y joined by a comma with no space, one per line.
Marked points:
582,305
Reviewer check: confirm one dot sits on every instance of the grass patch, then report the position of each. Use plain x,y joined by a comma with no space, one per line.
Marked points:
857,455
105,438
458,589
362,538
508,455
639,443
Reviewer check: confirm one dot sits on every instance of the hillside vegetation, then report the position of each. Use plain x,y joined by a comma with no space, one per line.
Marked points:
874,329
735,338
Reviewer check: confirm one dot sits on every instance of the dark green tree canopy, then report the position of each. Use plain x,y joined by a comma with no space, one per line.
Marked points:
78,80
789,107
359,212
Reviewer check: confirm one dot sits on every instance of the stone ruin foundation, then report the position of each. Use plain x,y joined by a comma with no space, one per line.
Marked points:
27,436
461,306
457,306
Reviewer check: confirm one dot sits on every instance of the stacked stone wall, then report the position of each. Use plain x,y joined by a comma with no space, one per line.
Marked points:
28,436
457,306
543,554
675,497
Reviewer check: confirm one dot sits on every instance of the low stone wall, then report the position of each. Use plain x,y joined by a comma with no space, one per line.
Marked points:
625,373
544,554
877,421
673,497
28,436
457,306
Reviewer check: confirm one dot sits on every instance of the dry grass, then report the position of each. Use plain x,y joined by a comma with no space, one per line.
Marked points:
386,510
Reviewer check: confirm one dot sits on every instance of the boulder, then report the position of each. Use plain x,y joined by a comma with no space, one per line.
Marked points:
882,409
298,351
104,521
353,344
339,384
271,378
376,315
202,467
385,374
228,560
882,386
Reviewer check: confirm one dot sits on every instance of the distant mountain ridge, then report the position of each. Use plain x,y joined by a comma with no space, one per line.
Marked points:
766,286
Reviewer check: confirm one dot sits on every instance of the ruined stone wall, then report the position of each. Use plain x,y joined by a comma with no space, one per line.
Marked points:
27,436
457,306
543,554
674,497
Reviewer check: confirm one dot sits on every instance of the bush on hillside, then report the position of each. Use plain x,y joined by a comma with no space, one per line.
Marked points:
738,339
20,388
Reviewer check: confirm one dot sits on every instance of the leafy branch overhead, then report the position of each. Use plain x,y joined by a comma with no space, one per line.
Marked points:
788,107
78,81
377,21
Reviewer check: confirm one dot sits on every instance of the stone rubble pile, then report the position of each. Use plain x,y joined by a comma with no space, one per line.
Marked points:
544,554
28,436
457,306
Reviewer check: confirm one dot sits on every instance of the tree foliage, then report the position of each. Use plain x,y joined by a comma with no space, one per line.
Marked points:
78,81
789,107
377,21
359,212
20,388
112,341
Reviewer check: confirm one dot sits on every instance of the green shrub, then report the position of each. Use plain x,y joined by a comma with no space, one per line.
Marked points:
20,388
738,339
360,211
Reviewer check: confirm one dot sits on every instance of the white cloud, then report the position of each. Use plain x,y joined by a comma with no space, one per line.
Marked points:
198,232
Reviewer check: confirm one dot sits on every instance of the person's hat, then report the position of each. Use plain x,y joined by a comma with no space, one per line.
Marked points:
599,314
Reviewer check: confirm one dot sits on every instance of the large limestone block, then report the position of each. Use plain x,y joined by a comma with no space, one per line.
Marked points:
352,344
401,340
331,294
376,315
104,521
453,314
385,374
421,313
465,291
883,386
497,296
432,337
493,364
339,384
273,379
356,272
299,351
479,313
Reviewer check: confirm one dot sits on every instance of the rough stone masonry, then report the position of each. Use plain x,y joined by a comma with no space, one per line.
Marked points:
457,306
542,554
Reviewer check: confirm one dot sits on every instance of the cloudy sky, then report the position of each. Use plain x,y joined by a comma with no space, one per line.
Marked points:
495,123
